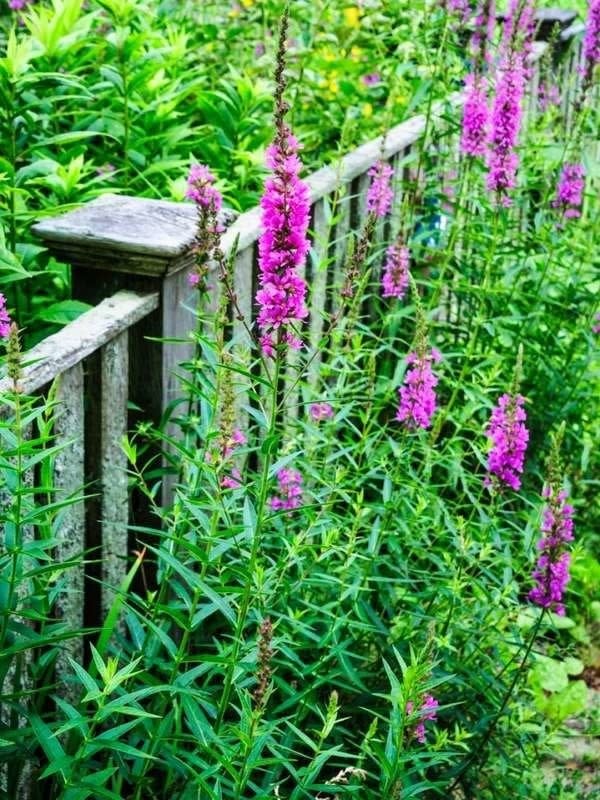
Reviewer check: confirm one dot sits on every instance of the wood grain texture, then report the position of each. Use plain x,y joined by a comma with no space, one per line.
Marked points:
127,227
69,480
115,502
92,330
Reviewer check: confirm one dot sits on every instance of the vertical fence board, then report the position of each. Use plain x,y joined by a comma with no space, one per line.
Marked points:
69,480
115,506
318,288
243,286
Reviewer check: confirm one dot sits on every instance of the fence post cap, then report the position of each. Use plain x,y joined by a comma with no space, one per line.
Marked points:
121,233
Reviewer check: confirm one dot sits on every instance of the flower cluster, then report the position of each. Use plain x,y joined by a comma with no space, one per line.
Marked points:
395,277
371,79
475,116
201,189
427,712
591,41
5,320
237,439
569,191
283,244
507,110
289,486
417,394
551,573
505,125
208,200
18,5
509,436
380,194
321,411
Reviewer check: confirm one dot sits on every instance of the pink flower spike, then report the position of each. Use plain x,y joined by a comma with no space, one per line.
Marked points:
551,573
395,279
569,191
475,117
380,194
5,320
201,190
417,394
321,411
509,435
289,490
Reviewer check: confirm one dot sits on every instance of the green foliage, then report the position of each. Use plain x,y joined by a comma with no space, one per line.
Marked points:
400,575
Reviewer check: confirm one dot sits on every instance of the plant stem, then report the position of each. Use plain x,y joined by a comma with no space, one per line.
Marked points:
478,753
254,553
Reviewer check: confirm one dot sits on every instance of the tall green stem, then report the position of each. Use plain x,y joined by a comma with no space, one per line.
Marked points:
254,554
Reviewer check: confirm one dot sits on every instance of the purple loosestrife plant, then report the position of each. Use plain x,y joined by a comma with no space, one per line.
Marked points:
507,109
569,191
427,713
475,116
380,194
321,411
5,320
396,275
379,202
208,200
551,573
283,244
371,79
509,436
417,394
289,488
591,43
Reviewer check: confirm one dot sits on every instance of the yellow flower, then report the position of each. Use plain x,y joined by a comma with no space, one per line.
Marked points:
247,3
352,16
333,86
355,53
367,110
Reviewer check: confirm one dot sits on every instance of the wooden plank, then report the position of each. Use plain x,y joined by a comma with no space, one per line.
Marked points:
122,224
321,229
113,465
77,340
243,286
69,480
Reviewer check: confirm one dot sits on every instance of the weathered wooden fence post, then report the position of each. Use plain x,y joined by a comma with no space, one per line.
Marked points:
118,242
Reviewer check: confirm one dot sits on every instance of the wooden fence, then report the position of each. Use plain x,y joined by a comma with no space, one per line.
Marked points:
130,259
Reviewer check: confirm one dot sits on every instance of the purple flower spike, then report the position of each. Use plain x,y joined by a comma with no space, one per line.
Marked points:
395,277
5,320
380,194
289,490
569,192
509,435
551,573
371,79
591,40
321,411
475,117
417,395
200,188
283,243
